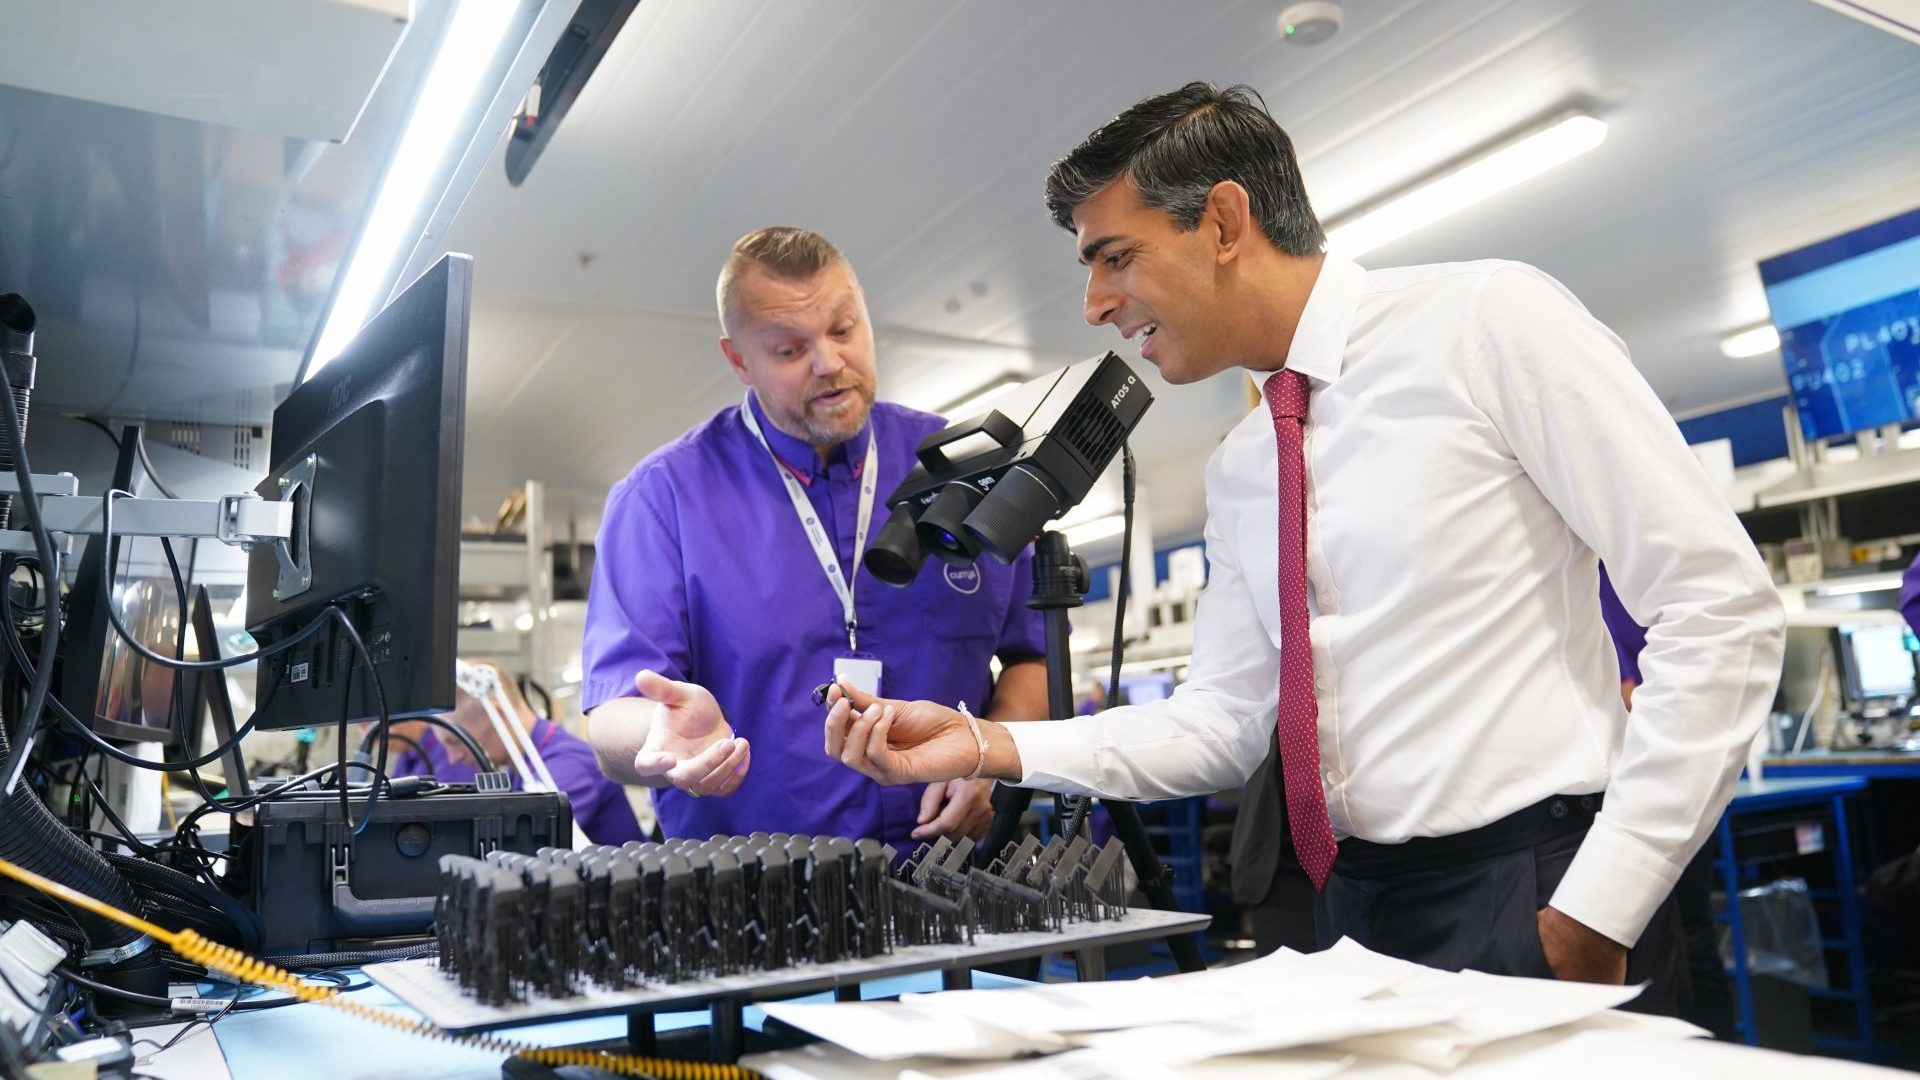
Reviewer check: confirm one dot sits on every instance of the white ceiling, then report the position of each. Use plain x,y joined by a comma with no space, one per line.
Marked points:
916,137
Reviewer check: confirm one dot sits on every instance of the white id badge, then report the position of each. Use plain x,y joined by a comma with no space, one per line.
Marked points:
860,672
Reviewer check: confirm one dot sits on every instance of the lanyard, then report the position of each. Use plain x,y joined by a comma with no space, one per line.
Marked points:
816,529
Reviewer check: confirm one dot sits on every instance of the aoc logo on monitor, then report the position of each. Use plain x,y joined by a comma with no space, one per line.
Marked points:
337,397
964,579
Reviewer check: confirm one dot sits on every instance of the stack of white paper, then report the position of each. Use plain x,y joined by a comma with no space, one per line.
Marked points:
1486,1009
1288,1015
889,1031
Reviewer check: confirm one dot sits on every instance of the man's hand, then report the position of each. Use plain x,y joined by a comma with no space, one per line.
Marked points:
1578,953
955,808
898,742
689,744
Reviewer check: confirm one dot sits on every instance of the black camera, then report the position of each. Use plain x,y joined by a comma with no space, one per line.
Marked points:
990,483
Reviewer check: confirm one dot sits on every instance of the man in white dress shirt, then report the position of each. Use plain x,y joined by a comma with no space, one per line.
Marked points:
1457,448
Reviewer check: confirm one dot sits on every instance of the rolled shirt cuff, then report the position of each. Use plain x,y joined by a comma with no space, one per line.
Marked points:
1056,755
1615,883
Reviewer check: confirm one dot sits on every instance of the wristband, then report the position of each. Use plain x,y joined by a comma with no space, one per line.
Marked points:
974,726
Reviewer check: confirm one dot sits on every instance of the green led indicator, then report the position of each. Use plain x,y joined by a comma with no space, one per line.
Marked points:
1289,29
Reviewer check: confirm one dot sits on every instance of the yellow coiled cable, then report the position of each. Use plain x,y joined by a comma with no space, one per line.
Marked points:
238,965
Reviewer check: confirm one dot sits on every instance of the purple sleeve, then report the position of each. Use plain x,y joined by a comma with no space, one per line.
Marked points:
1629,637
600,806
1023,636
636,604
1910,595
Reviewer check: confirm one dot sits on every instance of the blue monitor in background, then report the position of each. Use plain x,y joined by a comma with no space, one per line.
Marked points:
1848,312
1150,686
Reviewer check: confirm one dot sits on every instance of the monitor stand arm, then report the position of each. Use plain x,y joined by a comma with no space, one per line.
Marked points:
242,520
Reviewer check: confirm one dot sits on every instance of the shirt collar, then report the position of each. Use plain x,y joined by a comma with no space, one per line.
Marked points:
797,455
1319,346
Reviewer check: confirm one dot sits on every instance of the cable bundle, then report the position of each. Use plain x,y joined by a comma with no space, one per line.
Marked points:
512,927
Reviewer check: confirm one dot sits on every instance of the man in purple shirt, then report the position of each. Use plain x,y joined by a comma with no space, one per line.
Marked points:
722,596
599,805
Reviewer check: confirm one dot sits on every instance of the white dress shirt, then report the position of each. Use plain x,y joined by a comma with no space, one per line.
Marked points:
1477,443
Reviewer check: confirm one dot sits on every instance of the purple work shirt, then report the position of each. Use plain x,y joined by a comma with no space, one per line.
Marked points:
1910,595
703,574
600,806
1629,637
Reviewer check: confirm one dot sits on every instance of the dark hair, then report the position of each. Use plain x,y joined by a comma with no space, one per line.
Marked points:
1174,147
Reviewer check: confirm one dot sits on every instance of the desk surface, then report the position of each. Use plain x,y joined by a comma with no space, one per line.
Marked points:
1759,794
313,1040
1880,764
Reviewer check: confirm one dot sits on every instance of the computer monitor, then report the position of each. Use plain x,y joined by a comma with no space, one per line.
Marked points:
1149,686
1848,312
102,680
1878,663
369,450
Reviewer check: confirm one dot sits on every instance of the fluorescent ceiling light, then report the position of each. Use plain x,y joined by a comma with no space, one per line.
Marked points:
420,160
1481,177
972,404
1750,342
1098,529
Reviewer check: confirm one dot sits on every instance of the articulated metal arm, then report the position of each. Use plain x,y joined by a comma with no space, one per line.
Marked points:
241,520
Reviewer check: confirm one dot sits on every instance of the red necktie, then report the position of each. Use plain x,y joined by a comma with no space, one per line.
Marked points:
1299,723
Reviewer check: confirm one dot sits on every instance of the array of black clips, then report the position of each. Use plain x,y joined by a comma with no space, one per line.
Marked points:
514,926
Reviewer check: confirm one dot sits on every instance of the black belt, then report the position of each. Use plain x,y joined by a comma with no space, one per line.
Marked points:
1549,819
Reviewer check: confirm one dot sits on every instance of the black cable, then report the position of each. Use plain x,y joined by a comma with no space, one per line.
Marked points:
346,711
528,684
157,1001
102,425
98,987
113,616
364,659
140,448
483,762
20,745
106,807
413,744
85,730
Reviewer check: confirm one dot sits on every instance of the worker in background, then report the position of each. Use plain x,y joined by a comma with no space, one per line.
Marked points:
1404,551
1894,889
600,806
1910,595
728,587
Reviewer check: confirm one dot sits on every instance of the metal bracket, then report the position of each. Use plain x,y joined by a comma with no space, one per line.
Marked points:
103,957
43,483
295,556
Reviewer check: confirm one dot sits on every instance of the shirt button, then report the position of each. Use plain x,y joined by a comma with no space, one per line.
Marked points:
1326,598
1333,776
1320,682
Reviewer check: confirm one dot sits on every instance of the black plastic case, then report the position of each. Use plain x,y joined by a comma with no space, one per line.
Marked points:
316,894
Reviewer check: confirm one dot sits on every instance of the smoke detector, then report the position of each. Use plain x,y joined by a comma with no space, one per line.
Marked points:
1310,23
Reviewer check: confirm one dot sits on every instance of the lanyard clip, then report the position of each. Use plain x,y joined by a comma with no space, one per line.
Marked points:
853,636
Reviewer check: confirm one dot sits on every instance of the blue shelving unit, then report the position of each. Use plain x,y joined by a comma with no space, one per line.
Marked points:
1827,800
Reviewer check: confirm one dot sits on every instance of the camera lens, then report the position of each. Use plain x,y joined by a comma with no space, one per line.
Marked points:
1010,517
939,526
895,554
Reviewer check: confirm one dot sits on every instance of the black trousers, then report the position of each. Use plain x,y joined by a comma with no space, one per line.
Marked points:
1285,916
1478,911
